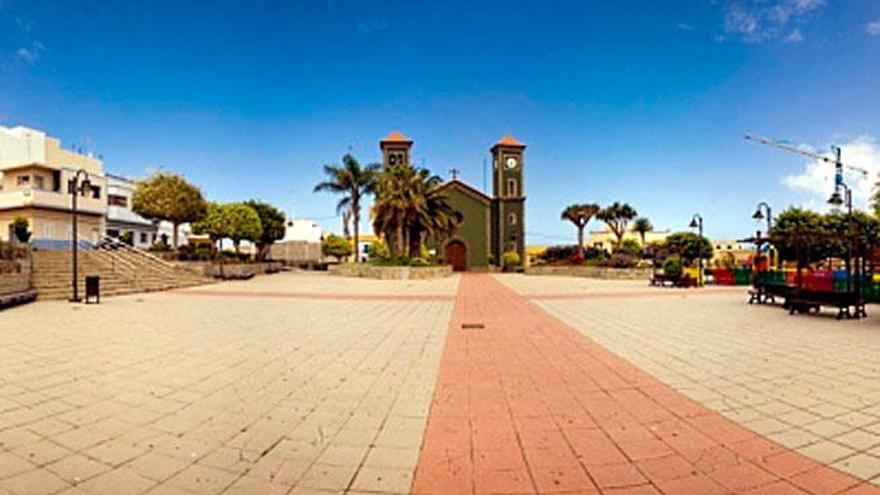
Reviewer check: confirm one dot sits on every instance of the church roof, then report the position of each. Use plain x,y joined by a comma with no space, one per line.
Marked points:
509,142
467,189
396,137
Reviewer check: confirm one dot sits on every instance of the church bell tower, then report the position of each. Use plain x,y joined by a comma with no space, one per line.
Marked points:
395,149
508,198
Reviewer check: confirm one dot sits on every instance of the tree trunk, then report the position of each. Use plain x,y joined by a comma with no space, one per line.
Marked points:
415,243
174,234
357,229
644,246
581,239
235,244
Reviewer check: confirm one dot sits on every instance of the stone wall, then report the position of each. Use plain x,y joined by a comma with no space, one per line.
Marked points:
208,269
390,272
296,252
15,276
593,272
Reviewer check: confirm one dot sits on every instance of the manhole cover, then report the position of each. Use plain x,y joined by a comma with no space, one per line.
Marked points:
472,326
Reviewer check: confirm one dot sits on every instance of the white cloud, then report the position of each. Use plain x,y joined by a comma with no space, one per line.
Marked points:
795,36
757,21
817,176
873,28
26,55
683,26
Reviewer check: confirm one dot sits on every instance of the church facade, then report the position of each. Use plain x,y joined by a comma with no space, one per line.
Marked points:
491,225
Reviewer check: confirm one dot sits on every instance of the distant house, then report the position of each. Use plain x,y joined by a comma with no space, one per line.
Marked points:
122,222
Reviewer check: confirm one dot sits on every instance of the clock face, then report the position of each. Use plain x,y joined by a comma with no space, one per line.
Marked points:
511,162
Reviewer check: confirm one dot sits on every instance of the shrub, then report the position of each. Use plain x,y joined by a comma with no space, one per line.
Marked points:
672,266
629,246
511,259
20,229
337,246
619,260
159,247
379,250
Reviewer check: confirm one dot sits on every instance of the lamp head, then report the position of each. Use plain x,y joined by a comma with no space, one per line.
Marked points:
694,223
85,185
758,215
835,199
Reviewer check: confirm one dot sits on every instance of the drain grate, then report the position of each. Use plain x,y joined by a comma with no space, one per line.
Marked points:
472,326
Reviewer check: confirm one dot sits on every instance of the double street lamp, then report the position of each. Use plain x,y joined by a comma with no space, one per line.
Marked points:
837,200
697,223
76,187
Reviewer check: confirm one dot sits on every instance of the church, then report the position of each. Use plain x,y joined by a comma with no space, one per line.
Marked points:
491,225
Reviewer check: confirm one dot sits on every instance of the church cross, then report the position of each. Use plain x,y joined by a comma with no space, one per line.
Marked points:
454,171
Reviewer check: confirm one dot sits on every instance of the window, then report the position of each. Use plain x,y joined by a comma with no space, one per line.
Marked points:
48,231
511,187
96,192
143,237
116,200
39,183
24,180
511,219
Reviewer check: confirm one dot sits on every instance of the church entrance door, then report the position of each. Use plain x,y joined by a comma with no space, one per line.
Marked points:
456,255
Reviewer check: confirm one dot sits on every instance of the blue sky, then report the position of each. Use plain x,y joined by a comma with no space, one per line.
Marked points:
643,102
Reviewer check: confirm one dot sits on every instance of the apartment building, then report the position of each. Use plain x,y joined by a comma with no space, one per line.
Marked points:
34,174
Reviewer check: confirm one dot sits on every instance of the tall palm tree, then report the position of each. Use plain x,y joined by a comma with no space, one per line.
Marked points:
617,218
580,215
394,188
352,180
433,216
642,225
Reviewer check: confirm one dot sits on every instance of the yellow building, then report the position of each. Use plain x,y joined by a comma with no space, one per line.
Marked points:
726,250
606,240
34,175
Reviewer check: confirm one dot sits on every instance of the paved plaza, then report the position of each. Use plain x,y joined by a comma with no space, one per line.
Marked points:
303,383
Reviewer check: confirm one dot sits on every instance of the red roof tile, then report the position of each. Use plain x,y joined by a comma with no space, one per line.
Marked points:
510,141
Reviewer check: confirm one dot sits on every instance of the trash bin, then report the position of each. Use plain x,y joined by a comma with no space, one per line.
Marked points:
93,289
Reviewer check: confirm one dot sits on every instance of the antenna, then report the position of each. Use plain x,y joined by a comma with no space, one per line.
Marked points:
484,174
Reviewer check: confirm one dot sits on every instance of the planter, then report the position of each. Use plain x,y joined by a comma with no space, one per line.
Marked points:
390,272
599,272
231,270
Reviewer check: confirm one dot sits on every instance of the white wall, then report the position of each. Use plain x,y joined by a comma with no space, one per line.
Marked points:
300,229
21,146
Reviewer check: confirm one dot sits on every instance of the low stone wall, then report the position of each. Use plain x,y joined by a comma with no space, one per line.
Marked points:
296,252
208,269
593,272
15,276
390,272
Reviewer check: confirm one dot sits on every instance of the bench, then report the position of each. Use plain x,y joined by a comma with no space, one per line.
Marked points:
20,297
806,301
662,280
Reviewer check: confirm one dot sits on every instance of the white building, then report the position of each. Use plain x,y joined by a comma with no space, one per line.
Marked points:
122,222
300,229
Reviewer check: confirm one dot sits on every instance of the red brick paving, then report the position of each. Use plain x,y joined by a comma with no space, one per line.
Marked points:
631,294
529,405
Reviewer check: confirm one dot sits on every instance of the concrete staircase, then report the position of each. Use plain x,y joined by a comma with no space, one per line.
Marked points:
123,270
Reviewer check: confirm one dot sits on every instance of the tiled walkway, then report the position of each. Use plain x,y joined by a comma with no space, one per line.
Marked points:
525,404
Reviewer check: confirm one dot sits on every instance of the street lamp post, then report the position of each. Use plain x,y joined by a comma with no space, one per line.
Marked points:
697,223
836,200
76,188
759,215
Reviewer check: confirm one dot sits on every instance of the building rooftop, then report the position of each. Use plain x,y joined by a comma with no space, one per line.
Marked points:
510,141
396,137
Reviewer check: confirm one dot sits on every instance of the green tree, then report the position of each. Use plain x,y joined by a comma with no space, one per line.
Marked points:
580,215
642,225
334,245
244,224
20,228
430,214
617,217
689,245
798,221
167,196
214,224
272,220
352,181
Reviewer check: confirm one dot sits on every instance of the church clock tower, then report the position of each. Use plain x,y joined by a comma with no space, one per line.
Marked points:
508,198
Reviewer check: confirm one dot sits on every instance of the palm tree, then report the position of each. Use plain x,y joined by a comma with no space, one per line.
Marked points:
580,215
410,207
642,225
353,181
617,217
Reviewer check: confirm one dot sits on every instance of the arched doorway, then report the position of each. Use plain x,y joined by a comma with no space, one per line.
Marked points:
456,255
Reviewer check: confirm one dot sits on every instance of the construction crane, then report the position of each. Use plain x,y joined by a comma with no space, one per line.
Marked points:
835,159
